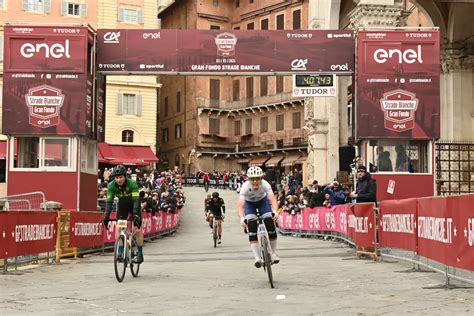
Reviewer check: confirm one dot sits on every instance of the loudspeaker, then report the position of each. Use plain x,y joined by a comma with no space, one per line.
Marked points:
346,157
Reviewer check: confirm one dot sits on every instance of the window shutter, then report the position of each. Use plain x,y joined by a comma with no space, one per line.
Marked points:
120,14
64,8
119,103
139,105
1,47
83,10
47,6
25,5
140,17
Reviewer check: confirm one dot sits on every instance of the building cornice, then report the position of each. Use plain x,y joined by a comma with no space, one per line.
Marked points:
266,10
263,108
371,15
217,18
450,63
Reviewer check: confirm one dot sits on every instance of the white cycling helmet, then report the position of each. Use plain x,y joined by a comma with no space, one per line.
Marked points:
254,172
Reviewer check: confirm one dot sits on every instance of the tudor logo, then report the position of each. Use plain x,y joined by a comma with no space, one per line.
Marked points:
56,50
408,56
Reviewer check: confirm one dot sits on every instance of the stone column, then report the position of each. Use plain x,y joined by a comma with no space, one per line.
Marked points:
457,97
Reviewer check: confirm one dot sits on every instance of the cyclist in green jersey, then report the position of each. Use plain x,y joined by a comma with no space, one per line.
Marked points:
126,190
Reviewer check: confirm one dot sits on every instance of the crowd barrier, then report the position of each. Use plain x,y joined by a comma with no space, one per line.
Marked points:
435,232
200,181
68,233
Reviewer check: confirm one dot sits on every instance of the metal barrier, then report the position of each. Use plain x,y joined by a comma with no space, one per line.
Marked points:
25,201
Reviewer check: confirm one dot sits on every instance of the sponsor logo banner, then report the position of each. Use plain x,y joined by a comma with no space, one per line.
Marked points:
362,220
397,224
398,84
86,229
236,51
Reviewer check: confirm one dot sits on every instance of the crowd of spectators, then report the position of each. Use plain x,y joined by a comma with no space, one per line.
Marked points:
159,191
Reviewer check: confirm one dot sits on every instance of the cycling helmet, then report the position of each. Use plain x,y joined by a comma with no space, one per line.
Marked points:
255,172
119,170
215,195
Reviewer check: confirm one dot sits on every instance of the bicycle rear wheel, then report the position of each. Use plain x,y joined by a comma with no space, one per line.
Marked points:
134,267
267,261
214,233
120,266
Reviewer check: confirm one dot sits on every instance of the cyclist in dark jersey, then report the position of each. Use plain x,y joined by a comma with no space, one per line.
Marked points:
126,190
217,209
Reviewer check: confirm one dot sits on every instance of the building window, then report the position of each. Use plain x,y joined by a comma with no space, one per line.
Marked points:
297,20
41,6
250,1
215,27
177,131
237,3
398,156
249,83
166,107
214,92
43,152
236,90
264,124
296,120
130,15
73,9
236,128
127,136
2,4
214,126
236,27
248,126
250,26
264,24
280,122
279,84
264,85
88,156
129,104
215,2
280,22
178,101
166,135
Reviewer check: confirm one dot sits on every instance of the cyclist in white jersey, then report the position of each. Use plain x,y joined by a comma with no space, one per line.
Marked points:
257,193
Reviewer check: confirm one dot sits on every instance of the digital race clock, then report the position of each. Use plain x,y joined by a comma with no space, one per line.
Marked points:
314,80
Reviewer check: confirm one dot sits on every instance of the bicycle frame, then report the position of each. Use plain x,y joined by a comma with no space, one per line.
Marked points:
122,225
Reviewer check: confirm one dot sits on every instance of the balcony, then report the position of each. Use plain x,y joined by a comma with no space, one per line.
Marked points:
258,102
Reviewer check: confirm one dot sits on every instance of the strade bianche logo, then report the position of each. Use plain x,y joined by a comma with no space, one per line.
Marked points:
399,108
44,103
225,43
111,37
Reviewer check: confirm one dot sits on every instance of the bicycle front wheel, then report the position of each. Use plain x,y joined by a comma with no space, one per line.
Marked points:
214,234
267,261
134,267
120,262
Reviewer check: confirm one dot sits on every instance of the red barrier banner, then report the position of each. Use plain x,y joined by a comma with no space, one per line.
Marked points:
109,234
436,230
4,235
397,224
362,219
86,229
32,232
316,219
462,211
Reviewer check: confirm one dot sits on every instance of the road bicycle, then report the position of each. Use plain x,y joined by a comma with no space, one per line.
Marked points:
215,229
265,249
127,239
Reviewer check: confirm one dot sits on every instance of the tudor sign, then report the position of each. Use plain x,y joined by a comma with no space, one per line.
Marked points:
399,107
45,103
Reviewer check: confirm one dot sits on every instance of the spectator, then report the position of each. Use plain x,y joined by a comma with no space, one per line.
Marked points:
316,196
335,192
402,163
366,188
383,160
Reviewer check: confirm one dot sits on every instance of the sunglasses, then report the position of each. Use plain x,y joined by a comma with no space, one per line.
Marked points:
255,179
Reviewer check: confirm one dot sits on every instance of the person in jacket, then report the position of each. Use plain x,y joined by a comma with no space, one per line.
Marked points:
366,187
335,192
384,163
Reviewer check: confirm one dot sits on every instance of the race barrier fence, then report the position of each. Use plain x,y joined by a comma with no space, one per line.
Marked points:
67,233
435,232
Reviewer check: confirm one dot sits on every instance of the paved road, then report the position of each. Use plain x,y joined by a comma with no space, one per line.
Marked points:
183,274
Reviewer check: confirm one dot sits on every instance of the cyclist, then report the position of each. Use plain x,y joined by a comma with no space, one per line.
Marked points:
207,201
257,193
206,180
217,210
126,190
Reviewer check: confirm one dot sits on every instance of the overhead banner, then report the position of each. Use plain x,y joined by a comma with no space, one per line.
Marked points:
398,84
222,52
48,81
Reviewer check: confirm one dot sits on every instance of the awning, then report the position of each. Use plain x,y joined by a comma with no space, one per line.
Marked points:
301,160
243,160
273,162
290,159
258,161
126,155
